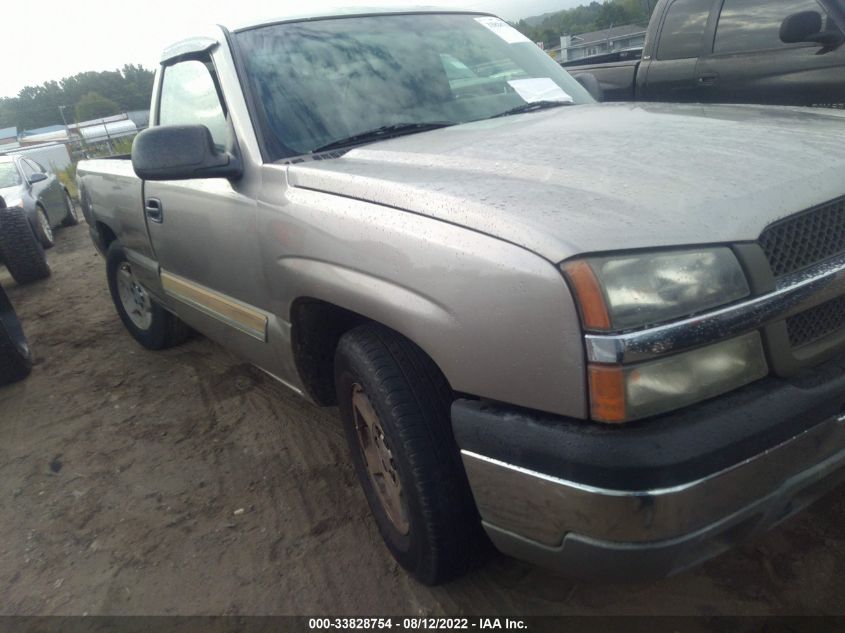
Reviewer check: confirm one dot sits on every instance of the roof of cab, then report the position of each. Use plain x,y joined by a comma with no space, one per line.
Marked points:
300,16
213,35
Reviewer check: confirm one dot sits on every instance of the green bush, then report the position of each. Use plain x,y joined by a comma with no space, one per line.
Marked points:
68,178
123,145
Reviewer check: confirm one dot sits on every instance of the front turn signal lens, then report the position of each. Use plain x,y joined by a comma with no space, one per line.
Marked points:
607,393
591,301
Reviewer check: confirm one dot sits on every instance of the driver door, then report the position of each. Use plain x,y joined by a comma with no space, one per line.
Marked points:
54,199
754,66
203,231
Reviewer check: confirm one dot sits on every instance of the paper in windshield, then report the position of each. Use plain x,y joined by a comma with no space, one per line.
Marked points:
503,30
540,89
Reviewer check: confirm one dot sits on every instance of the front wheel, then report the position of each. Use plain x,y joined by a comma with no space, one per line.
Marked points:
43,229
149,324
395,404
22,251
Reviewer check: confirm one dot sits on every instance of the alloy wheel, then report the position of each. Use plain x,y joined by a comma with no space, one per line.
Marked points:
134,297
379,460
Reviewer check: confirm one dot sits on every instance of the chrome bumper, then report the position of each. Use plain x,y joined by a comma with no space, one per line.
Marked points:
596,531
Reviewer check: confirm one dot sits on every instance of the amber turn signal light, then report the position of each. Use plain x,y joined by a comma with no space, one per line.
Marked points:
607,393
590,298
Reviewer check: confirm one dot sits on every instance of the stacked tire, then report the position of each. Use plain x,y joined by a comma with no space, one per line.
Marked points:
15,355
20,248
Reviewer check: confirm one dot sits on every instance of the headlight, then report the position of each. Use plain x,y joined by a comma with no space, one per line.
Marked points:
626,292
629,291
621,394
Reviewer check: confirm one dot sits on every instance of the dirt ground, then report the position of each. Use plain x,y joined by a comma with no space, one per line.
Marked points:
186,482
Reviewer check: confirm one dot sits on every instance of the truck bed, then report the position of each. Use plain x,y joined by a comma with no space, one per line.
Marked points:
115,192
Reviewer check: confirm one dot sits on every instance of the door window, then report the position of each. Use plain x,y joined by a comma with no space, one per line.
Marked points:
752,25
27,169
36,167
683,29
189,97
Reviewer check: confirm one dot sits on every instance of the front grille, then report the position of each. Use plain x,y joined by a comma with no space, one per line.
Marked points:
805,239
816,323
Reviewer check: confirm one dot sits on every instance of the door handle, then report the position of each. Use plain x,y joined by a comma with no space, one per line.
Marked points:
154,210
708,79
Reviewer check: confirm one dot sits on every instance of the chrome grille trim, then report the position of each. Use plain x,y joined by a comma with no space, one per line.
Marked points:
794,293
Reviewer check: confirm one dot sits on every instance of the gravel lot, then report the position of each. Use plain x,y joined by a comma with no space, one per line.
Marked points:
186,482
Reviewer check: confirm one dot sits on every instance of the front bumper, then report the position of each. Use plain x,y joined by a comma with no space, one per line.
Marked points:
654,498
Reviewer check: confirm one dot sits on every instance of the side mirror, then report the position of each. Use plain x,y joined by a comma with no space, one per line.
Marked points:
181,152
591,85
806,26
37,177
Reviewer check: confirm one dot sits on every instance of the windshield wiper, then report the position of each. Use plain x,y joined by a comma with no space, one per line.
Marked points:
533,107
382,133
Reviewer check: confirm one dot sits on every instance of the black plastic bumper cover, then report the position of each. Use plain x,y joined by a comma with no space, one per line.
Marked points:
659,452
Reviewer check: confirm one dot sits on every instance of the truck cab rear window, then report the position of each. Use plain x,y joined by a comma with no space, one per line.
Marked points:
683,29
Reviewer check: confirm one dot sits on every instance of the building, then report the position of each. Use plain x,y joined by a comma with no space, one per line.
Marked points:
49,134
617,38
9,139
141,118
54,156
106,129
110,128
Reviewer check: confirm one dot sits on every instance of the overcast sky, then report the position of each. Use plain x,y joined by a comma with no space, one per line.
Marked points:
59,39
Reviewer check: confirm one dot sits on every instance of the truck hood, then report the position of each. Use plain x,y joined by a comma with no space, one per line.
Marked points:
592,178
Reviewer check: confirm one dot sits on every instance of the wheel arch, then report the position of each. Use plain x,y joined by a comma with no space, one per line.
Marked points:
317,326
32,214
103,235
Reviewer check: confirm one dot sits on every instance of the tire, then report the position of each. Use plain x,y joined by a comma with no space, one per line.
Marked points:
15,355
72,217
22,252
434,530
43,230
151,325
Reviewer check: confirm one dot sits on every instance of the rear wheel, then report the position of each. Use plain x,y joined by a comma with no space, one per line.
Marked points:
15,355
22,251
395,406
151,325
43,229
72,217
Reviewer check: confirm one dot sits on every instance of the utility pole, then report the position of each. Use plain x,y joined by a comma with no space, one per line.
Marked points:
67,130
62,112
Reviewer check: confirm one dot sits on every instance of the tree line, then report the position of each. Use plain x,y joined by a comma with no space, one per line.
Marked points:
585,18
82,97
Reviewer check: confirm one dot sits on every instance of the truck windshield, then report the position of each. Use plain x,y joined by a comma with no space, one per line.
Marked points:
9,176
319,82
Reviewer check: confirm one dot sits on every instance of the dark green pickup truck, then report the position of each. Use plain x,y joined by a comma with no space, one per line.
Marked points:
784,52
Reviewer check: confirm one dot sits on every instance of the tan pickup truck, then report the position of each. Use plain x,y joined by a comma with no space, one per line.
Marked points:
607,337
